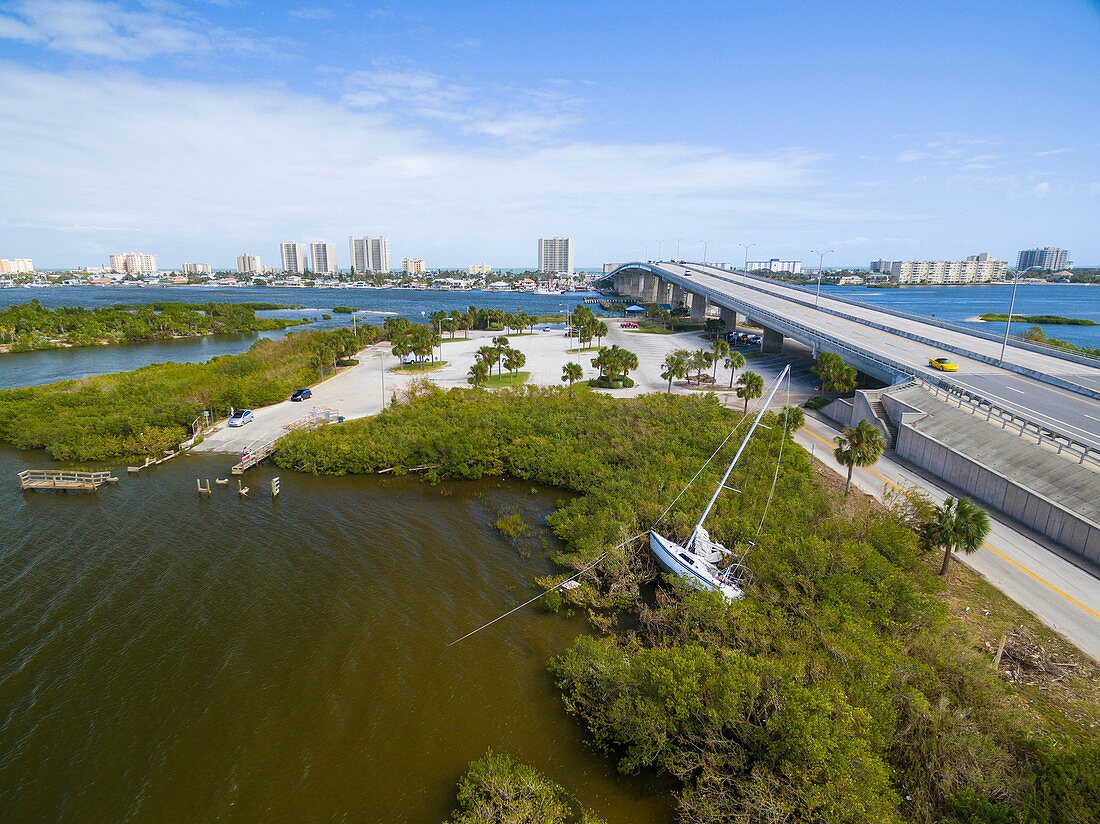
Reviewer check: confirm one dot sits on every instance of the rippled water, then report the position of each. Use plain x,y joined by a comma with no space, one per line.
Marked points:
166,657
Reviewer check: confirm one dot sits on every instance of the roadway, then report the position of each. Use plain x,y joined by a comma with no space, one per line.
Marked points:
1060,409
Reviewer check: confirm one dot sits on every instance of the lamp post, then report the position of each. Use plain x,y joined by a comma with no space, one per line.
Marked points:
745,271
1011,308
659,244
678,247
705,243
820,261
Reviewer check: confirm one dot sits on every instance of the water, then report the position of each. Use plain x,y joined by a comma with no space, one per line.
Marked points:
957,303
165,657
35,368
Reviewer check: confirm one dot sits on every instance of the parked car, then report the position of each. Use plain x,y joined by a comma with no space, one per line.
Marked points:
628,324
302,394
944,364
241,417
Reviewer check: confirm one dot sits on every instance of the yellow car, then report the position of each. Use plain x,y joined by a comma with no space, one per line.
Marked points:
944,365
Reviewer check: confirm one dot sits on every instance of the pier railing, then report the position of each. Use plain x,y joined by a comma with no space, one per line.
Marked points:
62,479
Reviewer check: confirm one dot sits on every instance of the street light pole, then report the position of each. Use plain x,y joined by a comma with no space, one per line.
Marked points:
820,261
659,244
1011,308
746,247
678,247
705,243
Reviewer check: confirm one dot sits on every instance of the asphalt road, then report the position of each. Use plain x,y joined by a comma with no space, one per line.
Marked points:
1061,410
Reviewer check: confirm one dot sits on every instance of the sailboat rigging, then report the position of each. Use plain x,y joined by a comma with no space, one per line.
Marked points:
697,558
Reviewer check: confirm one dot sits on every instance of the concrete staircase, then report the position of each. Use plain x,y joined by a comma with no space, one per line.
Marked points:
884,419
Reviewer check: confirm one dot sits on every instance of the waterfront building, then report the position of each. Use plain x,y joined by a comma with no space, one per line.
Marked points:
793,267
16,267
196,269
1049,258
369,254
880,265
555,254
482,268
249,265
133,263
324,257
975,269
412,266
295,257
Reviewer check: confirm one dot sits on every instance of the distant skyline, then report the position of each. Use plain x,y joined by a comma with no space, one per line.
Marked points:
201,131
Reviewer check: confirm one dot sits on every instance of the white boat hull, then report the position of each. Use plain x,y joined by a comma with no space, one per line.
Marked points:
673,558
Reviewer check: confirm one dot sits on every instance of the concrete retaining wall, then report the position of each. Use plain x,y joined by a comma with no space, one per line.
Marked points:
1077,534
839,410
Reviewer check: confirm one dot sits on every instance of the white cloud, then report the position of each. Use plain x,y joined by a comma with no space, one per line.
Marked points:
112,31
311,13
194,168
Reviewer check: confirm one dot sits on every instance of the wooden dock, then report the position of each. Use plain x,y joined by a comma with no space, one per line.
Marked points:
62,480
252,456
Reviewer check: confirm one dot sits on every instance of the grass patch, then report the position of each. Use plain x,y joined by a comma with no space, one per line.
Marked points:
451,340
586,349
507,379
419,368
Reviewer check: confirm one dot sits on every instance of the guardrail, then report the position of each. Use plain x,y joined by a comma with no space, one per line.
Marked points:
1014,340
905,374
316,417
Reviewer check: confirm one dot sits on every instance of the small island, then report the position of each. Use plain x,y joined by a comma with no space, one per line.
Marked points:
1046,320
27,327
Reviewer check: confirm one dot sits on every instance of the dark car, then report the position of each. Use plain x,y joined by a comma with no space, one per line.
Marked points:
301,395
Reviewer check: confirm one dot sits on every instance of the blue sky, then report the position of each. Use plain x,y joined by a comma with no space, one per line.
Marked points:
463,132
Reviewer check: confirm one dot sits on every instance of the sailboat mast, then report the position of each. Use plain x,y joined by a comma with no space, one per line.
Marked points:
740,449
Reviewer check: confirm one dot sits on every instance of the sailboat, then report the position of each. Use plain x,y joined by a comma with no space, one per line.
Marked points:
698,557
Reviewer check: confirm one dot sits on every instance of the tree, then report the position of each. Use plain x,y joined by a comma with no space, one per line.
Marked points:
793,419
675,366
734,362
750,386
958,523
584,334
489,356
836,376
718,349
479,373
860,446
712,326
600,330
500,343
662,316
572,372
698,362
514,361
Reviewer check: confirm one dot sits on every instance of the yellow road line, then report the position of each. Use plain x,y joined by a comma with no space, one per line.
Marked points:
1057,392
986,544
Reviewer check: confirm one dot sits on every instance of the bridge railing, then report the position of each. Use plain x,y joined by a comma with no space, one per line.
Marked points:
1014,340
1044,434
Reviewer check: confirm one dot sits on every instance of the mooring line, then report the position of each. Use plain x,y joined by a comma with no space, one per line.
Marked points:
563,583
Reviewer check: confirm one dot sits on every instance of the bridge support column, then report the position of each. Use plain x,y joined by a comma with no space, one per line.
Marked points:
649,288
772,341
663,287
730,318
677,296
698,309
635,288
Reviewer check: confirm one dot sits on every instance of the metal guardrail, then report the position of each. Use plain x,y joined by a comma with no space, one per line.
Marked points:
316,417
906,374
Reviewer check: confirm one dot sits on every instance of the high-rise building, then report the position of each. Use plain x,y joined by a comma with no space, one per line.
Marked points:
196,269
295,257
324,257
975,269
1046,257
482,268
249,265
412,266
555,254
775,265
880,265
17,266
369,254
133,263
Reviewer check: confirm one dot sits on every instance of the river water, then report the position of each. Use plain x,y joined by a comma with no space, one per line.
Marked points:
35,368
170,657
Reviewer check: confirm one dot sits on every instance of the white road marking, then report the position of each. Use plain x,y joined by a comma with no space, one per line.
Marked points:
1013,389
1092,418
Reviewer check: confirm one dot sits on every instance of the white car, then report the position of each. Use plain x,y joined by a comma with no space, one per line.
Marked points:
241,417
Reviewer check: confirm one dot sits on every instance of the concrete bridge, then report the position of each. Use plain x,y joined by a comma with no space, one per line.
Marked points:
1055,391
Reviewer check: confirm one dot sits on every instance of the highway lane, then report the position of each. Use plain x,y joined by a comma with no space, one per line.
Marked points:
1059,409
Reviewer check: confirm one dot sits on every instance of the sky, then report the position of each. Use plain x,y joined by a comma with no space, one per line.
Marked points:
463,132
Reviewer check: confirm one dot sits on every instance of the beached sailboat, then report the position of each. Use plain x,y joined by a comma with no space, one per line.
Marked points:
698,557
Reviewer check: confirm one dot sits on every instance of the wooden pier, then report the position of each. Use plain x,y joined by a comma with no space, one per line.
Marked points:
252,456
62,480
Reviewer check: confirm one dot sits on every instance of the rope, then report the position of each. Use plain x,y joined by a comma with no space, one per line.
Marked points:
556,586
700,472
775,477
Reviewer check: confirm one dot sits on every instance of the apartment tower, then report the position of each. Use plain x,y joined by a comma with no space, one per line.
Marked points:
369,254
556,254
295,258
324,257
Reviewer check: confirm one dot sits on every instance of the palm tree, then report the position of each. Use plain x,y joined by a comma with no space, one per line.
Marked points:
572,372
675,366
734,362
600,330
836,376
958,524
514,361
479,373
750,386
488,355
500,343
718,349
698,361
793,419
861,446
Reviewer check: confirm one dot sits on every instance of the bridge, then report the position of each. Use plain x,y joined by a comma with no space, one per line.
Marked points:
1054,390
1020,434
